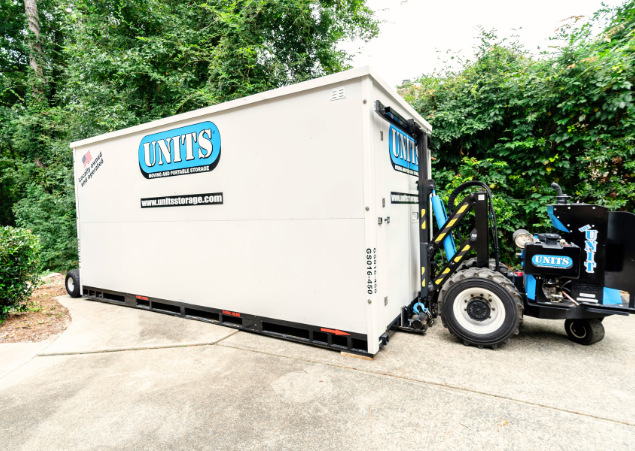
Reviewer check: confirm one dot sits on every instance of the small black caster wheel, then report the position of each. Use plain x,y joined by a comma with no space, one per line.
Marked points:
584,331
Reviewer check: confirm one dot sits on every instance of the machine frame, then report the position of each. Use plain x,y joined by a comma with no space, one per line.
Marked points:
415,318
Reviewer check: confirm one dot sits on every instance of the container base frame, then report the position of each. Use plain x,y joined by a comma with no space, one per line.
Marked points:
336,340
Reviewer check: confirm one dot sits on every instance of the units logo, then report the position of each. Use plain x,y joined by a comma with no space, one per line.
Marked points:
403,152
186,150
590,247
552,261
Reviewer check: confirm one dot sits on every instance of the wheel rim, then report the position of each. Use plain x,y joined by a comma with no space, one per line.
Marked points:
479,311
577,330
70,285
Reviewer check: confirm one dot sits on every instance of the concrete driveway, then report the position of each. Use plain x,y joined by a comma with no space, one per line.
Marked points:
121,378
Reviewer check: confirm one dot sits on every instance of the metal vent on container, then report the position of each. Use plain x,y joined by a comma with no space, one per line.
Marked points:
338,93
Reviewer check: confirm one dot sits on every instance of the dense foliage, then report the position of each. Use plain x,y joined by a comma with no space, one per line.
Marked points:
19,265
520,122
110,64
515,120
138,60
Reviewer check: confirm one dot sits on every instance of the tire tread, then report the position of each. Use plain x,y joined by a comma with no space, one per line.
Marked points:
73,274
482,273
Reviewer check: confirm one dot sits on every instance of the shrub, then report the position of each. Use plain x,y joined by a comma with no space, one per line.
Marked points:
19,265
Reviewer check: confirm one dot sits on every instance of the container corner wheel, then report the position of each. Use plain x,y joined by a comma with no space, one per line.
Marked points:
72,283
480,307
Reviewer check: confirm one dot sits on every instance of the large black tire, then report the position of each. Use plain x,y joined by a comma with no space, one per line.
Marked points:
468,304
584,331
72,283
471,263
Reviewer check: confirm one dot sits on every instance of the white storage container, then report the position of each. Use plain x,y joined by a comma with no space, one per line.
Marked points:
291,212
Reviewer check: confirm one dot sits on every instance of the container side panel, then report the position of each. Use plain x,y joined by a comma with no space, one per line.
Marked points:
294,158
296,271
286,242
77,170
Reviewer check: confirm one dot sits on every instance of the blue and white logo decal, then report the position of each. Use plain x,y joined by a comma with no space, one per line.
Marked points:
186,150
403,152
590,247
552,261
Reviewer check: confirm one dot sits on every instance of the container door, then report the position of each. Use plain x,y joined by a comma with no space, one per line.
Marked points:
398,195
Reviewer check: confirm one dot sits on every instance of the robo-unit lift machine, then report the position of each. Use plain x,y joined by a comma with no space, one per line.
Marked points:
576,276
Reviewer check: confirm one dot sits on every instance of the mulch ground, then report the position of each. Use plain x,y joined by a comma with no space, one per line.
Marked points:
44,318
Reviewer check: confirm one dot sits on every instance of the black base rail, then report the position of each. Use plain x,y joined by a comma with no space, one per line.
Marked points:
333,339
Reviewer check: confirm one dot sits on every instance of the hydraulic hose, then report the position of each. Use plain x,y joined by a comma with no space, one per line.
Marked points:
463,187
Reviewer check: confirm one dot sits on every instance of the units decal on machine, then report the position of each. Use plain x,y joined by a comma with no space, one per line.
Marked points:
590,247
186,150
403,152
552,261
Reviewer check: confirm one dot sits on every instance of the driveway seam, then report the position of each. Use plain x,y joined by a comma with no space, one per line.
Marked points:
225,338
141,348
136,348
437,384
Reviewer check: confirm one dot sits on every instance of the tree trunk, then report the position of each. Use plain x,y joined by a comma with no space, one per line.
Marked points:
35,45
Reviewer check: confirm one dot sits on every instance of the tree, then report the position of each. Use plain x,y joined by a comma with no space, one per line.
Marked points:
35,46
29,77
132,61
